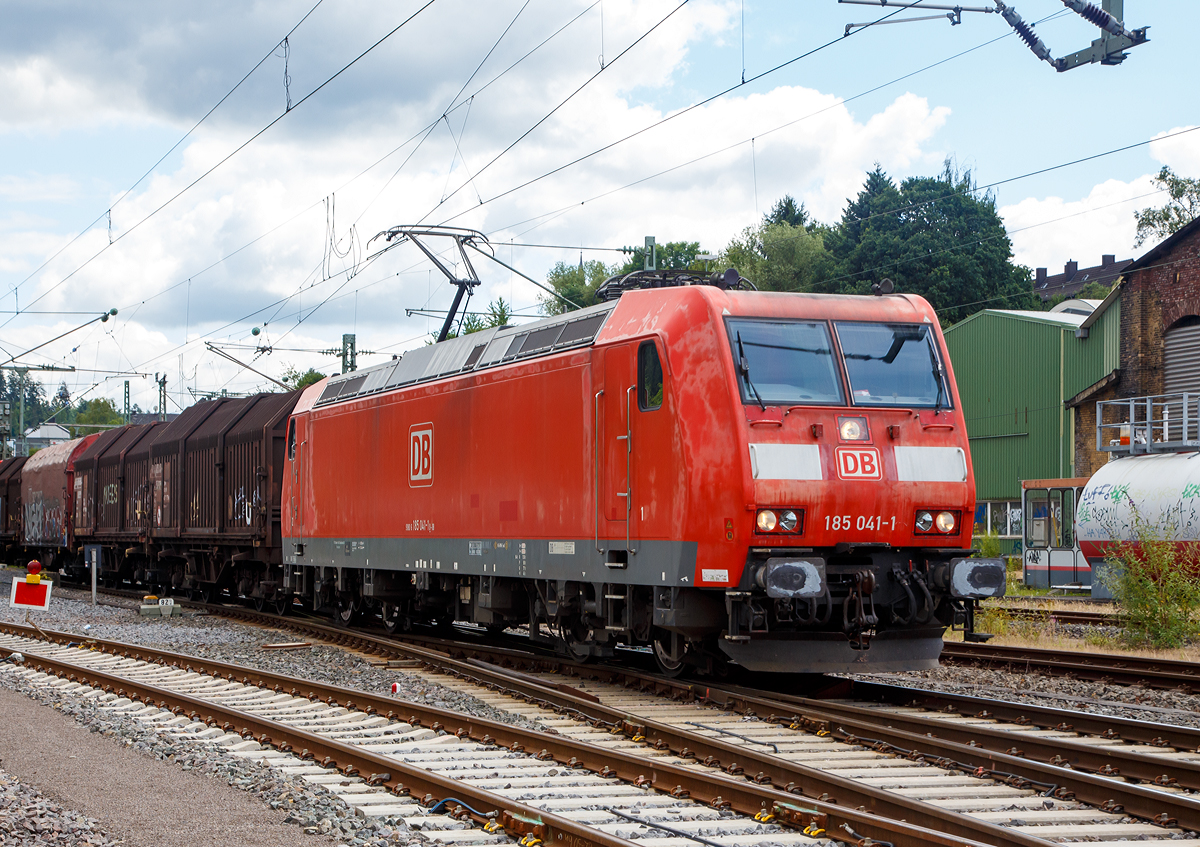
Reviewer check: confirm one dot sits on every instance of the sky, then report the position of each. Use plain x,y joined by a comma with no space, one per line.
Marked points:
218,185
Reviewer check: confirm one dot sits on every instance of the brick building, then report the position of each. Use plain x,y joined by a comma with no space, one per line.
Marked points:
1157,307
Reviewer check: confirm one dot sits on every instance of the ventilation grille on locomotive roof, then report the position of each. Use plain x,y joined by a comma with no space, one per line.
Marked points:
477,351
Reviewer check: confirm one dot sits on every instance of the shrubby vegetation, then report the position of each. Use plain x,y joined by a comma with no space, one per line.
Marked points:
1155,583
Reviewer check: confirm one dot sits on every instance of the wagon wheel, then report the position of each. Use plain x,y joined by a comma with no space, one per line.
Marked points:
283,604
345,610
204,594
670,648
260,604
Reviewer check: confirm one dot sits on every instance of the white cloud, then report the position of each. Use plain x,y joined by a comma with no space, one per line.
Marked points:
1049,231
1181,152
323,146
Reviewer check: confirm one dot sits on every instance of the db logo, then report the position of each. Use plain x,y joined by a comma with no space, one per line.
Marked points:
858,463
420,455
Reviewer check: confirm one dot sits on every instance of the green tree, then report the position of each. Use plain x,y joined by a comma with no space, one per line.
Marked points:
780,257
296,380
932,236
100,414
1180,210
36,407
672,255
577,283
499,313
787,212
1091,291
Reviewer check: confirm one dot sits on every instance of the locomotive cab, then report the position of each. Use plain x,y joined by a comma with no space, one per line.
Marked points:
854,529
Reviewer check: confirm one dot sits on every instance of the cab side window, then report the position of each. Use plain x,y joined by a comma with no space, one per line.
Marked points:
650,377
291,439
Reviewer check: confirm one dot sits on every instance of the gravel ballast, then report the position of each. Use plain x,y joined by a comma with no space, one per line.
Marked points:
131,787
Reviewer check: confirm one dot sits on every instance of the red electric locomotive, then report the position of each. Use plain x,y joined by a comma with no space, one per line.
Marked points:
778,479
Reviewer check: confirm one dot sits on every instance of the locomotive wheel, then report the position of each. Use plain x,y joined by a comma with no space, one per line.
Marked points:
577,638
260,604
345,611
394,619
283,604
670,648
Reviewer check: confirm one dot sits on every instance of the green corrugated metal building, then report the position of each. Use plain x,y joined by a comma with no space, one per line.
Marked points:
1017,374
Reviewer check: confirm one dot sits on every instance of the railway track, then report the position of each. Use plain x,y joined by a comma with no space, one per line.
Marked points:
1121,670
1061,616
379,754
841,751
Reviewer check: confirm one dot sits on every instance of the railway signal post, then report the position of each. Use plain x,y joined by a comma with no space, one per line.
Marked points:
30,591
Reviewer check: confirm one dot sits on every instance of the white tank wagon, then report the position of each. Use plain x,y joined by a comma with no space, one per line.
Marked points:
1158,491
1151,485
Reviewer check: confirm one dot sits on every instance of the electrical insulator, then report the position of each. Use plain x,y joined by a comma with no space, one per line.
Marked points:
1025,31
1095,15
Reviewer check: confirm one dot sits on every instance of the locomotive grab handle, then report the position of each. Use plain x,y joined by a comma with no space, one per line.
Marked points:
629,466
596,438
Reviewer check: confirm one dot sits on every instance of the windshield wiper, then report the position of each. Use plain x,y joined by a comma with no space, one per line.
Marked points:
939,375
744,367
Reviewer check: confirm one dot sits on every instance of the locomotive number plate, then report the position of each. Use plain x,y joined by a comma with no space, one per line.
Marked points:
840,523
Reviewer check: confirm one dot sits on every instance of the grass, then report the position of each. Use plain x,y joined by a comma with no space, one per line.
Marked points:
1018,631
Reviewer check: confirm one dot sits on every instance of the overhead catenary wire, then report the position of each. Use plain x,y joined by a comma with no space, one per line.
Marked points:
562,103
434,124
108,213
417,136
230,155
429,128
645,129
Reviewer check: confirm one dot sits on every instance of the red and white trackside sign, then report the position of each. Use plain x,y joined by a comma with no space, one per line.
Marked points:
26,595
420,455
858,463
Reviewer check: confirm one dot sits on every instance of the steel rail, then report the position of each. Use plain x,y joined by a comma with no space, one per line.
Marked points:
1060,752
1106,793
1123,670
1129,730
1064,616
882,820
378,770
929,740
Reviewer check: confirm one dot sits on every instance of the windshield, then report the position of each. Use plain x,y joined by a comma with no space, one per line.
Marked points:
892,365
784,362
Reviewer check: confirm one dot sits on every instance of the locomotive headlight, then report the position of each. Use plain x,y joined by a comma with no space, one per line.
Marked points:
787,521
945,521
853,429
767,520
924,521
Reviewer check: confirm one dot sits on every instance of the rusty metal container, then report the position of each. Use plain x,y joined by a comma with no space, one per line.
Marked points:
116,477
10,499
86,490
102,483
215,471
253,455
48,494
